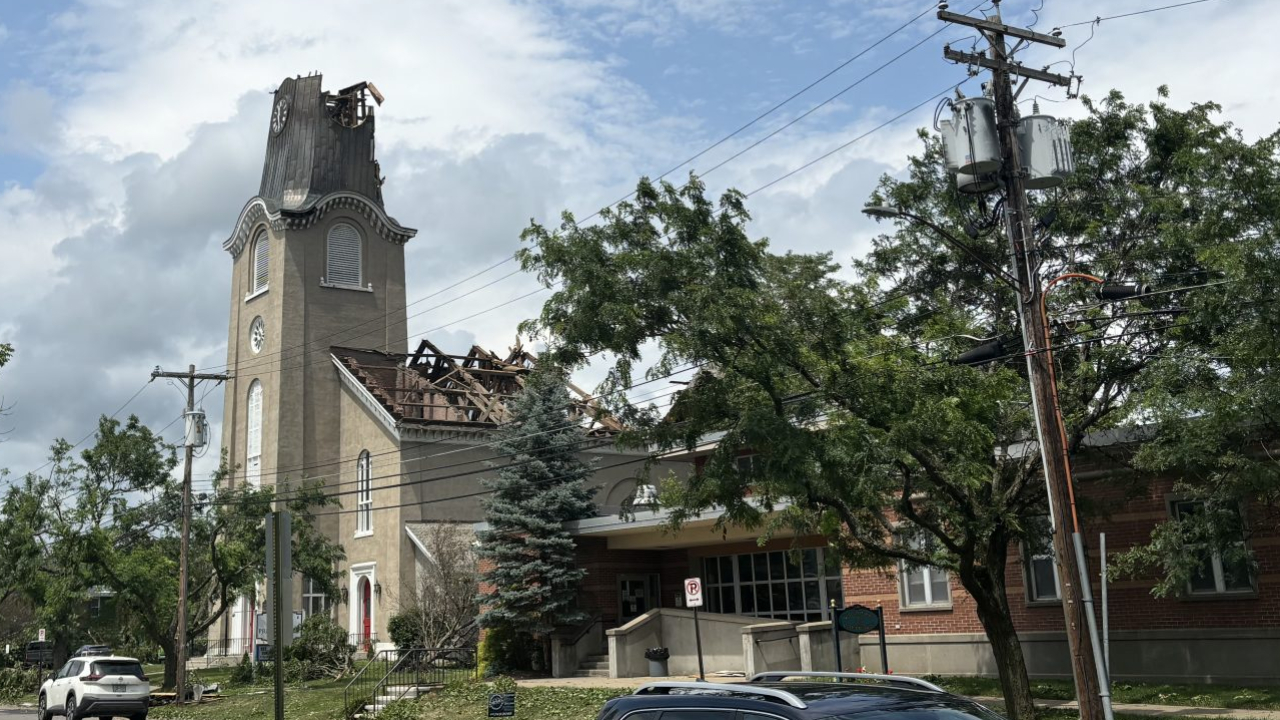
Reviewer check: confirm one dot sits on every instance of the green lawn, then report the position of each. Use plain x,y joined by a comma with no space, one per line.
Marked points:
1218,696
321,700
468,701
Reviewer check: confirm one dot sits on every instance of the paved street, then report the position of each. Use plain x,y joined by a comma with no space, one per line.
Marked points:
8,711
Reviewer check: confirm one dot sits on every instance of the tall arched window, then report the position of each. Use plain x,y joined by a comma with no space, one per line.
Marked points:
253,437
261,261
343,261
364,494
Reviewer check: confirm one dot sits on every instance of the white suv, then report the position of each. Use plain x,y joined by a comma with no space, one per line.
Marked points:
96,686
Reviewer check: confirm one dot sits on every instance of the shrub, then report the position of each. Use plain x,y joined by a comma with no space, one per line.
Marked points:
505,650
322,645
242,673
404,630
16,683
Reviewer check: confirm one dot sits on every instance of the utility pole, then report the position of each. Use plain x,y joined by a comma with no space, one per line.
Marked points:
1092,686
190,378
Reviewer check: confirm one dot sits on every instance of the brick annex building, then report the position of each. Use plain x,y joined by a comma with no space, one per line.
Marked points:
1224,628
327,386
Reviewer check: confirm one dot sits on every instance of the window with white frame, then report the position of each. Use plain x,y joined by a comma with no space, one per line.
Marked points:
1041,568
261,262
314,600
253,439
364,494
343,256
923,586
781,584
1217,573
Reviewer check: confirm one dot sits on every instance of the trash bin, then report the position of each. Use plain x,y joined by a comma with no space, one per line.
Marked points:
657,658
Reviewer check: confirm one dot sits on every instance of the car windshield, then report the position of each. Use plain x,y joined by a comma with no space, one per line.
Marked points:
117,667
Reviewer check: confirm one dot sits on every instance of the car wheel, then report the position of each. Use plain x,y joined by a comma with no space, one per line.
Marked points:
70,706
143,716
42,708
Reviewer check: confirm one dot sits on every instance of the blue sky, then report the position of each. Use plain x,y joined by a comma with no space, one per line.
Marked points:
132,132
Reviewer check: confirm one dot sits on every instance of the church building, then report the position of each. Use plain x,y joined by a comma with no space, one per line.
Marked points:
324,386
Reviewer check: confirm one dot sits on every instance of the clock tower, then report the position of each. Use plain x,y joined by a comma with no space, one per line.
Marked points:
316,262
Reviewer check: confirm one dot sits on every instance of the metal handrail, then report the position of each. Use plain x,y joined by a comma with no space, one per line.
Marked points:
351,691
782,695
585,628
900,679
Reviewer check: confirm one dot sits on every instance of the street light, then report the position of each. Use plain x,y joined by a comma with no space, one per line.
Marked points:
881,212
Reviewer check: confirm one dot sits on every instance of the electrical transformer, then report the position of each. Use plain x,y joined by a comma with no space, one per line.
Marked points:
1045,146
950,146
197,429
973,130
976,184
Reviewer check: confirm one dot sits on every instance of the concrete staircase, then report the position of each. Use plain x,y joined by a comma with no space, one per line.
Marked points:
390,694
593,666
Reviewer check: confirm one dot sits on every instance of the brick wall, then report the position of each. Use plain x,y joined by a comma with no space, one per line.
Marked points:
1127,517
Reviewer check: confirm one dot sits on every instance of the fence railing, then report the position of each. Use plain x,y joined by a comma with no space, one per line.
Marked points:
392,674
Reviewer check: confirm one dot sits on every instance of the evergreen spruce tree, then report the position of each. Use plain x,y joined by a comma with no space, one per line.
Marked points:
532,578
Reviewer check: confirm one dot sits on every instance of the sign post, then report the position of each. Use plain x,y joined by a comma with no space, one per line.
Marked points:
693,599
41,635
856,620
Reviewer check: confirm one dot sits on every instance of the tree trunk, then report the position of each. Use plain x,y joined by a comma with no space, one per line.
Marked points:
170,664
986,584
993,611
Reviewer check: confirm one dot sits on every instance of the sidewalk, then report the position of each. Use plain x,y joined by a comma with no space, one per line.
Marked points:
1120,709
1156,710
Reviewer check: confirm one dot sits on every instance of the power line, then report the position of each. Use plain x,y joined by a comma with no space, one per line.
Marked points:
685,367
881,126
306,350
239,366
91,433
779,105
1100,19
339,461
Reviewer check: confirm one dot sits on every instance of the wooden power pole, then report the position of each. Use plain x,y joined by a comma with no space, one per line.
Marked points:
1090,675
190,378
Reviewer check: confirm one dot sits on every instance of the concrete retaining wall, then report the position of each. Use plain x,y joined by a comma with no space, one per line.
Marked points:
1238,656
817,653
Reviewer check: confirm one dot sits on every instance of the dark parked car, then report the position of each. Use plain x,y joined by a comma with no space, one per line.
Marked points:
39,654
810,696
92,650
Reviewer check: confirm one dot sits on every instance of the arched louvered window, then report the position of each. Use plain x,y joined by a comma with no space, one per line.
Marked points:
261,261
343,261
253,437
364,494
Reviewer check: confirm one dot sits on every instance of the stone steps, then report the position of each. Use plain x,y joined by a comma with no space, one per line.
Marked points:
593,666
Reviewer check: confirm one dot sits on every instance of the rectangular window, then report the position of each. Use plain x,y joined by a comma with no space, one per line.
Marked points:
923,585
1039,564
1215,575
771,584
314,601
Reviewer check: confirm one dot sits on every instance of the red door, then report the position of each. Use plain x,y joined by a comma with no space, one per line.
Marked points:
365,608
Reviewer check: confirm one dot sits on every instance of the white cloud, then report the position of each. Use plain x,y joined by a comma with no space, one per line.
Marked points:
497,113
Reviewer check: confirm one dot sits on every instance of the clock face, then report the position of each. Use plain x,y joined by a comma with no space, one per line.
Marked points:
280,114
257,334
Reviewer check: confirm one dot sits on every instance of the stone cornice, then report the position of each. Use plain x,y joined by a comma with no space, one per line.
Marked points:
257,211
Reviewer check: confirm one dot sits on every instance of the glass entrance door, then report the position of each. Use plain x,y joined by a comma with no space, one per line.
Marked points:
637,595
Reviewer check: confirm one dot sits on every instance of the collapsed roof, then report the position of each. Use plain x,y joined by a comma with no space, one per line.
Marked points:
431,387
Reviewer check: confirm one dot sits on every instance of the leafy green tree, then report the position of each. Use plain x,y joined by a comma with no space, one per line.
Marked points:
531,584
112,519
843,387
1214,403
